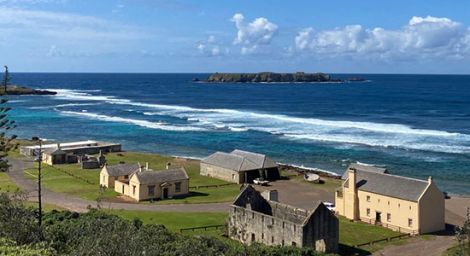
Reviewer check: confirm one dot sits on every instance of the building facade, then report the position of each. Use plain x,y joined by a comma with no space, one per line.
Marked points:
239,167
253,218
403,204
143,183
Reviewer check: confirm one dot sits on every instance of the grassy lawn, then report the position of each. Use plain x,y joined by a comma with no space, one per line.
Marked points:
6,184
353,233
71,179
174,220
55,179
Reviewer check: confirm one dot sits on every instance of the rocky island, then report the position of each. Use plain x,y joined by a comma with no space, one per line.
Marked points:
270,77
22,90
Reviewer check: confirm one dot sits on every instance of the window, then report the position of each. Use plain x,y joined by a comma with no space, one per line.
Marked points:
272,221
389,217
410,207
252,215
368,212
178,187
294,244
133,189
295,227
126,177
368,198
104,178
282,242
410,223
151,190
398,205
262,218
252,237
272,239
388,202
262,235
283,224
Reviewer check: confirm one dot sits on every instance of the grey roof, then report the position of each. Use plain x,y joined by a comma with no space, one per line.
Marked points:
239,160
363,167
53,151
152,177
122,169
391,185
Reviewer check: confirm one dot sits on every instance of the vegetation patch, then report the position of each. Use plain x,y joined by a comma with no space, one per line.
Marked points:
174,220
6,184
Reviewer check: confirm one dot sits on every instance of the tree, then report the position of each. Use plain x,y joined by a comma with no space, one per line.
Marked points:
6,79
463,236
6,141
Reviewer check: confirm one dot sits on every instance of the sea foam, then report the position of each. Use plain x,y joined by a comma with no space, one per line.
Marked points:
284,126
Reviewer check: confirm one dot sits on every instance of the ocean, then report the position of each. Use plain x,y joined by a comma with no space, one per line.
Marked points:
415,125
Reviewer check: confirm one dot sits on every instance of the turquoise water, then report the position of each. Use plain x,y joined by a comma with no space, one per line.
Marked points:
416,125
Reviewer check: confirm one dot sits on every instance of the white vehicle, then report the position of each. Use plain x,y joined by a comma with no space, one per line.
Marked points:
261,182
330,206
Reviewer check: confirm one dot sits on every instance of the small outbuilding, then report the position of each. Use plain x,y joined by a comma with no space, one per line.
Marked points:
239,167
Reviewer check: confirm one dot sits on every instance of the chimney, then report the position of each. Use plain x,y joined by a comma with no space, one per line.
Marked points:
430,179
140,167
270,195
58,145
168,165
352,178
147,166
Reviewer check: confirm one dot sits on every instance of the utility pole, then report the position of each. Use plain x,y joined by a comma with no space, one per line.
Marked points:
39,159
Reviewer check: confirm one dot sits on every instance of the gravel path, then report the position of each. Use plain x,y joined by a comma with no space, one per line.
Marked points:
80,205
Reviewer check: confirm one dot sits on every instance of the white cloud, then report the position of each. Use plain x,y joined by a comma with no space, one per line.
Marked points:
209,47
421,37
254,34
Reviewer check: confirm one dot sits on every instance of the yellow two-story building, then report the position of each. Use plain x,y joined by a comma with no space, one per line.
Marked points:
407,205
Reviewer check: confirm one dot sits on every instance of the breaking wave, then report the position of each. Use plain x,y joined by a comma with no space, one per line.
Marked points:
289,127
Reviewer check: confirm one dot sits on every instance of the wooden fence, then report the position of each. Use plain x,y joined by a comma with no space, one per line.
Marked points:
211,186
216,227
388,239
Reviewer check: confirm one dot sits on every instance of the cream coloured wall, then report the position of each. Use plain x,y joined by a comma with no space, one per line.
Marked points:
220,173
121,187
142,190
432,210
400,211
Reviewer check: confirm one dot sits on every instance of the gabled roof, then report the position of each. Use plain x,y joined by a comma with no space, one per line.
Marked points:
391,185
239,160
152,177
54,151
365,168
251,199
122,169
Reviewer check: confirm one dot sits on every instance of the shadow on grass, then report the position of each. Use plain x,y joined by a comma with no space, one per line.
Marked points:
349,250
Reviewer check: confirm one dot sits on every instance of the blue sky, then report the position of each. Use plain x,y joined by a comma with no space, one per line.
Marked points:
235,36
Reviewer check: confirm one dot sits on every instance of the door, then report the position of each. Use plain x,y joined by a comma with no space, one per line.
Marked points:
165,193
378,217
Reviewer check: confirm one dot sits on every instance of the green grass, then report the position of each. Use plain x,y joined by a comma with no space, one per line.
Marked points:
205,195
57,178
6,184
352,233
174,220
158,162
45,207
